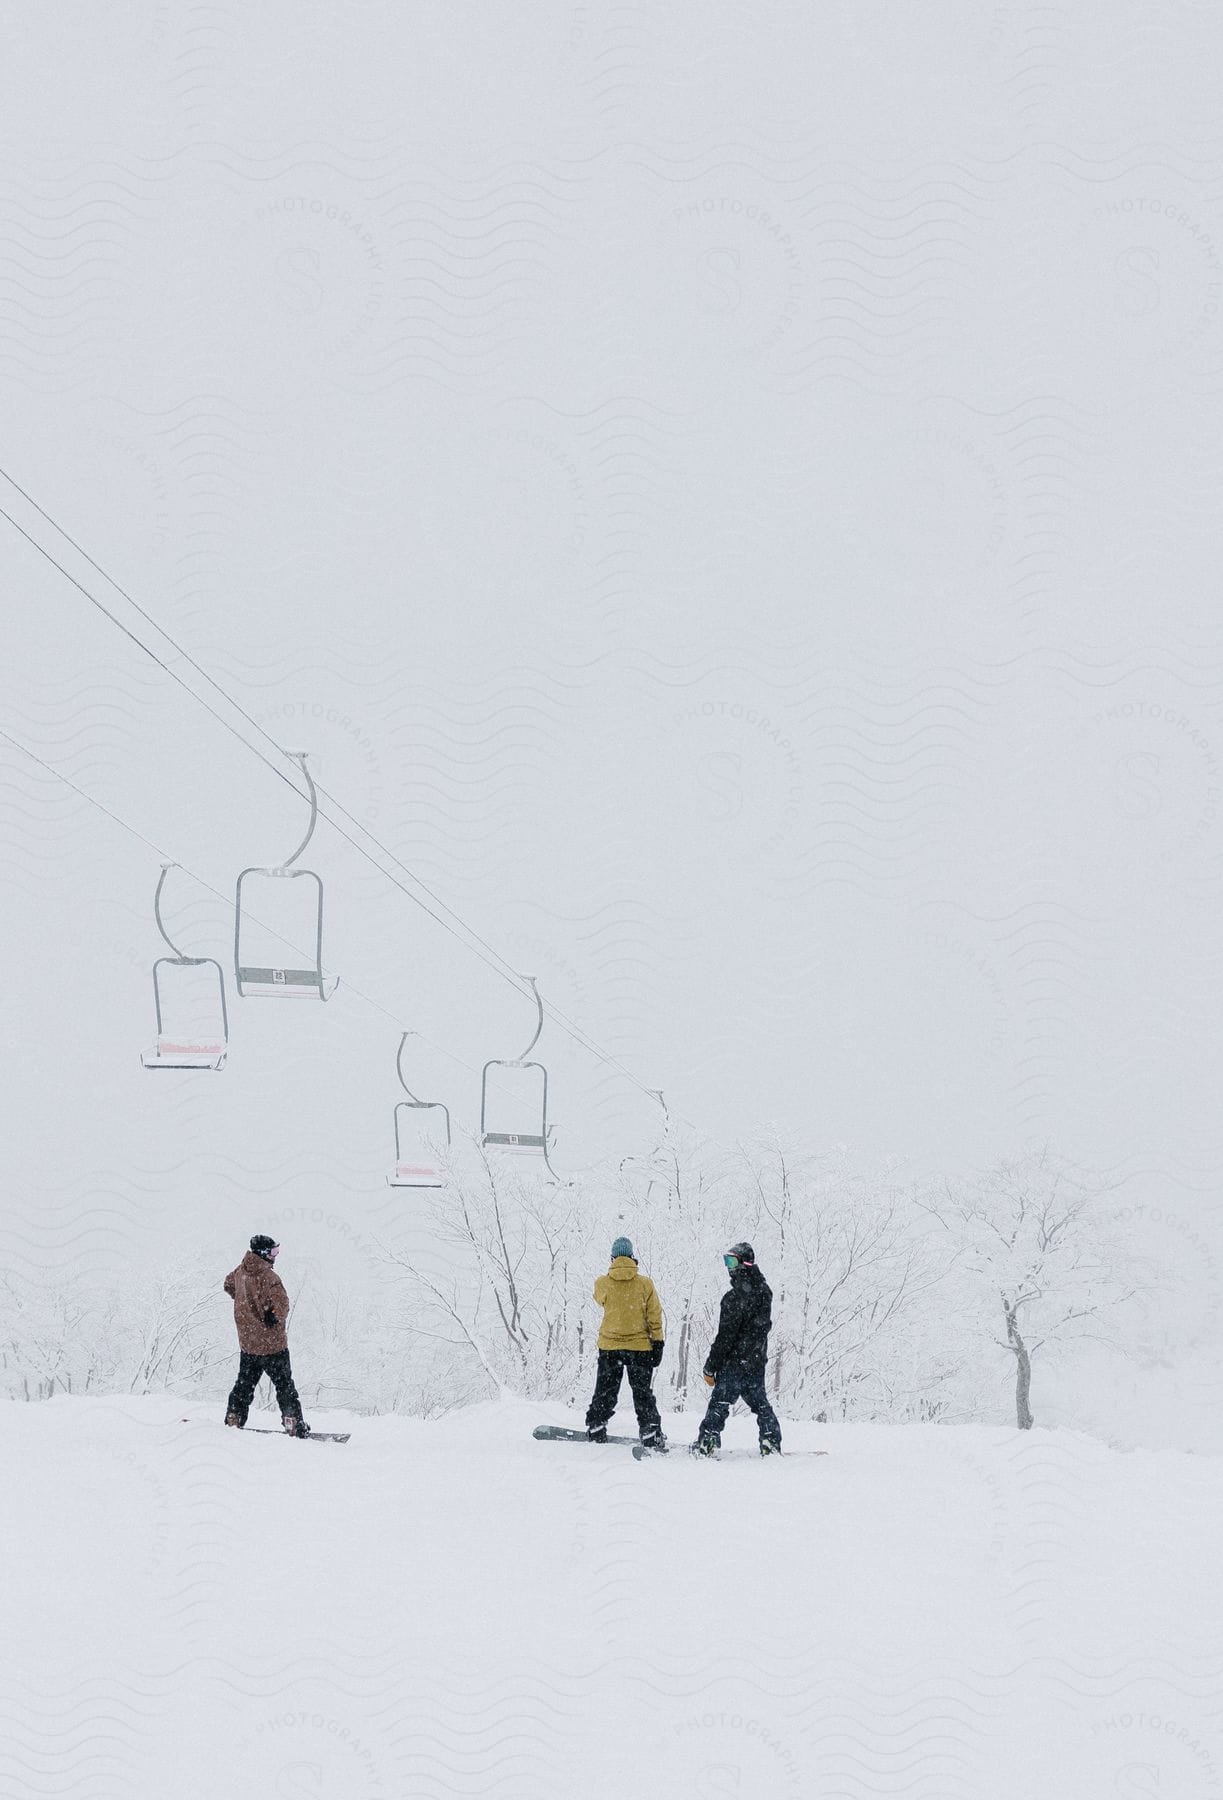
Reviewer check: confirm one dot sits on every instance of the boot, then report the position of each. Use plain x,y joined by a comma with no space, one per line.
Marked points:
708,1444
653,1438
296,1427
597,1433
770,1446
233,1419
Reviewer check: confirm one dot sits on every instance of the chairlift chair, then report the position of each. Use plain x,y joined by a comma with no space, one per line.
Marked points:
185,1049
537,1141
416,1166
285,983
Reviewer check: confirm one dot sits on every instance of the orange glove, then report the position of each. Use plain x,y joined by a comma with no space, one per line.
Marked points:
711,1380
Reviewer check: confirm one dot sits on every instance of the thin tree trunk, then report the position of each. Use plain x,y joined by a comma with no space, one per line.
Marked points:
680,1378
1023,1370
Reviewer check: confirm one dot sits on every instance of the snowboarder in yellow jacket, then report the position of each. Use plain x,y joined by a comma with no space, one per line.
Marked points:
630,1340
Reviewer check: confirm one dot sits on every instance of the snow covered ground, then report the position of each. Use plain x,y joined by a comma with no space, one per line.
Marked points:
453,1609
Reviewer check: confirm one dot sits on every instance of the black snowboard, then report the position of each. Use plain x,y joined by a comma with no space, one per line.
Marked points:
320,1437
323,1437
562,1434
641,1451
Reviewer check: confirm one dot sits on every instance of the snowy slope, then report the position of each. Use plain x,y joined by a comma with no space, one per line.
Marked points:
451,1608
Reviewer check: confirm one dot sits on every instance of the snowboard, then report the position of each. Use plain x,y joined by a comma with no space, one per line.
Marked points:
323,1437
562,1434
642,1451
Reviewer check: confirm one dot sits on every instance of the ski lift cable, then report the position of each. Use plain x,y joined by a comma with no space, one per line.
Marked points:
174,676
507,972
499,966
172,863
134,830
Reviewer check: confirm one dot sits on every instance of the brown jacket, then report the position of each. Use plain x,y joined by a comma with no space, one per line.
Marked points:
258,1292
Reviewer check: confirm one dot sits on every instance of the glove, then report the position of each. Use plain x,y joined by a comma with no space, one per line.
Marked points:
269,1317
656,1350
710,1380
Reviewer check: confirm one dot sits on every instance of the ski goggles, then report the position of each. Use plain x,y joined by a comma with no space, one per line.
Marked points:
732,1262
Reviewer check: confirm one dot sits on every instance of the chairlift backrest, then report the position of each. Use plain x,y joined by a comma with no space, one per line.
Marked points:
285,980
533,1141
415,1171
179,1048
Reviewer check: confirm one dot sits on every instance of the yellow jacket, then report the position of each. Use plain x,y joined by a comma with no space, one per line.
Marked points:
632,1311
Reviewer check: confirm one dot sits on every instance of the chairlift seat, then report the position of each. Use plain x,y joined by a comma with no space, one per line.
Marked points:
168,1055
416,1175
514,1140
520,1143
427,1171
283,983
292,984
208,1043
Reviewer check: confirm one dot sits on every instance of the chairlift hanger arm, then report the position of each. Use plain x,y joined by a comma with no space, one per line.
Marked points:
299,757
539,1024
161,924
416,1101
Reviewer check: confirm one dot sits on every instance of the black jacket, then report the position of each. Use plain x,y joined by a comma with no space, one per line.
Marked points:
744,1325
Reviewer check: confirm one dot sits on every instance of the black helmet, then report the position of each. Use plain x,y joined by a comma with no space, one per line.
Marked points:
743,1253
261,1245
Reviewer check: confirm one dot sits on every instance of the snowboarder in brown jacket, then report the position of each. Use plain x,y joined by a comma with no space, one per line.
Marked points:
261,1307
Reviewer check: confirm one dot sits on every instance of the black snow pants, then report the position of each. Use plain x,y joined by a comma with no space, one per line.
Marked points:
277,1368
733,1384
639,1365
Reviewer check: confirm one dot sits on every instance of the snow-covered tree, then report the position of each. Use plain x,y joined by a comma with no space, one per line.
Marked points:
884,1295
512,1260
46,1329
850,1277
504,1280
1036,1260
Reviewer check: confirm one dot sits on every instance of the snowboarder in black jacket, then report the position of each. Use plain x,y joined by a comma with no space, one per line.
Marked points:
736,1363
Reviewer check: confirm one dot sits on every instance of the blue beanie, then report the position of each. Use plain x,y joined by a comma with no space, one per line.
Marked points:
622,1247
